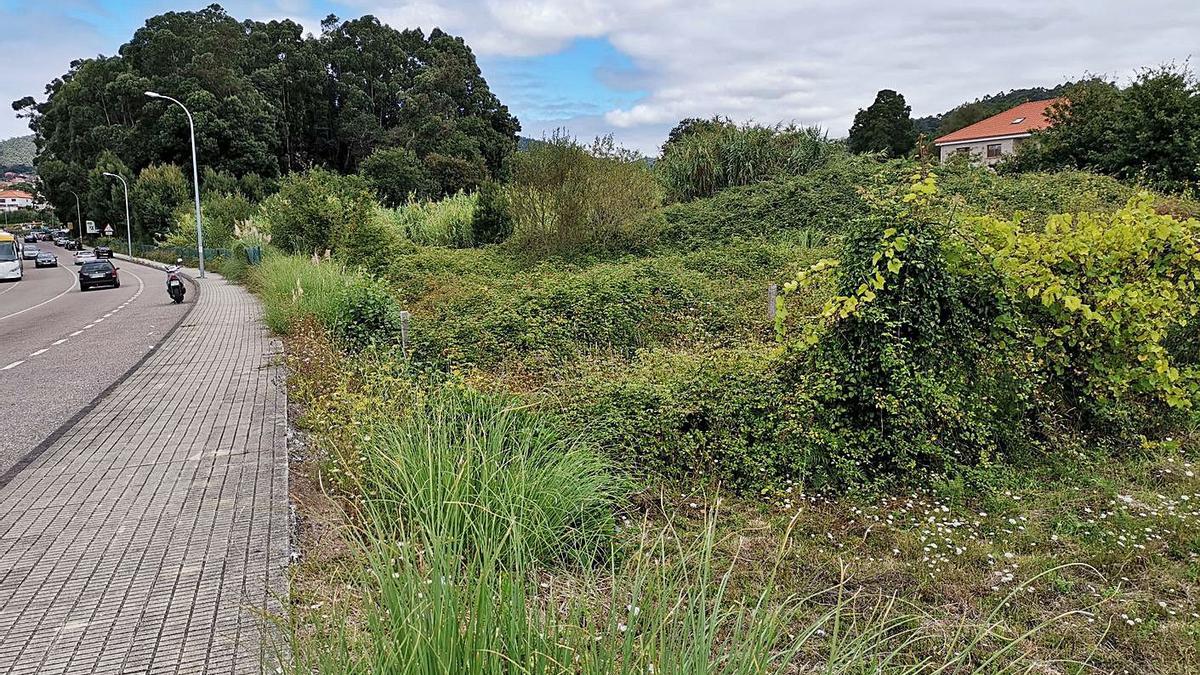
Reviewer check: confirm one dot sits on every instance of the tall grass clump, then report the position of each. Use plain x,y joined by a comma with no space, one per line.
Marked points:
722,156
355,308
470,473
447,222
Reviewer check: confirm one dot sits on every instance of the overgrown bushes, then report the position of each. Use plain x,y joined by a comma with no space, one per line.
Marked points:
356,309
566,198
721,156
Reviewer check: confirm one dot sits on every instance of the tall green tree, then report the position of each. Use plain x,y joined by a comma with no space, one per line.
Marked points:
885,126
268,99
160,189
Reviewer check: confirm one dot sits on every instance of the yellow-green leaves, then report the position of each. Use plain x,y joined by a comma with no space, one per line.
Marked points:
1109,288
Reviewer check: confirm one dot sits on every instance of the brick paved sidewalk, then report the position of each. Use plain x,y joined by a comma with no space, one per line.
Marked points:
153,533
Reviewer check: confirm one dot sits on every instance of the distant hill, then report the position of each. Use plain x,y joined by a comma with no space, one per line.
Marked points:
982,108
16,154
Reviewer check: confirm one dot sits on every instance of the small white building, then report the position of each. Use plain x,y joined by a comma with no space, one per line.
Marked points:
11,200
991,140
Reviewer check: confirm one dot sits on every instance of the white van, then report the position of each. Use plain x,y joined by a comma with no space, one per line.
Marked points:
11,267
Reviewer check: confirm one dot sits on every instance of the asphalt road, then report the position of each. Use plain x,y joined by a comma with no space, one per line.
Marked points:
60,347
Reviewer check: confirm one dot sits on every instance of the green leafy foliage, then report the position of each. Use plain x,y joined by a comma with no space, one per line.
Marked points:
492,222
715,157
1104,293
566,198
313,211
396,174
267,98
701,416
157,193
1148,131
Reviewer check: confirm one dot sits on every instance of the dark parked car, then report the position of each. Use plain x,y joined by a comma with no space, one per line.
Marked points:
98,273
46,259
103,252
30,238
71,245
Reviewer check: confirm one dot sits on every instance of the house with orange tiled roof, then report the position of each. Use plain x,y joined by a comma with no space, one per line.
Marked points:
11,200
991,140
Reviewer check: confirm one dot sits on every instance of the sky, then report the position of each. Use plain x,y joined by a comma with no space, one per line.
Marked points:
636,67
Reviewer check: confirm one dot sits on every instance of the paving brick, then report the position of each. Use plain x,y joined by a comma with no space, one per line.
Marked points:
154,533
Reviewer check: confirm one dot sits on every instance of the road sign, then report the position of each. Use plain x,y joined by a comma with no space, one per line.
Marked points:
91,227
108,230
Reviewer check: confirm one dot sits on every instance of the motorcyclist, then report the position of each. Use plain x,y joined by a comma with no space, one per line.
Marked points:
173,271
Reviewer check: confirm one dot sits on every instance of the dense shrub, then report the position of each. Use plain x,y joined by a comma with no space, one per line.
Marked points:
396,175
826,199
312,210
565,198
492,222
547,316
902,375
221,211
720,156
707,415
1102,294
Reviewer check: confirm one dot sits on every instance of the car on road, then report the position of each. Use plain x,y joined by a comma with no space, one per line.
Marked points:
72,245
82,257
103,252
98,273
59,241
46,259
30,252
30,238
10,259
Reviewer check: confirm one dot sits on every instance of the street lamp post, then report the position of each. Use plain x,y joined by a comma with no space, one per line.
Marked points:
128,227
195,176
78,218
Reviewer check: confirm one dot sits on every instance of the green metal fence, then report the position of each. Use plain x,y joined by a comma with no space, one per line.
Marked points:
252,254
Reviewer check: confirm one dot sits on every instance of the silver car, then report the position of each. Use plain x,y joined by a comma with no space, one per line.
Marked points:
84,256
30,252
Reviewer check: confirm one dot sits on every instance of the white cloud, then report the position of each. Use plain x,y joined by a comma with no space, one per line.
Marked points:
819,61
808,61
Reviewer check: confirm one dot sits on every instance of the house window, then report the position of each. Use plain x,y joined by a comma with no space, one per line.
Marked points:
993,150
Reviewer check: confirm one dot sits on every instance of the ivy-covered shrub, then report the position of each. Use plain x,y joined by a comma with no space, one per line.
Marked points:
901,373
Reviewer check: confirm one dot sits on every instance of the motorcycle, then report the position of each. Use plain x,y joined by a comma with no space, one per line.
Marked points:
175,286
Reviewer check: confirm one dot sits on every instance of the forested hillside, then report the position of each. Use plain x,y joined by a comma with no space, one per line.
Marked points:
16,154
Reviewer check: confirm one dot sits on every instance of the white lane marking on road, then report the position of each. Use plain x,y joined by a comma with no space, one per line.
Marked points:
98,320
76,333
38,353
88,326
109,314
44,302
12,365
12,287
58,342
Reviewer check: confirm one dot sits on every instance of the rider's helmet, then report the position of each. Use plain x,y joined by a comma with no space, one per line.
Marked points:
179,261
